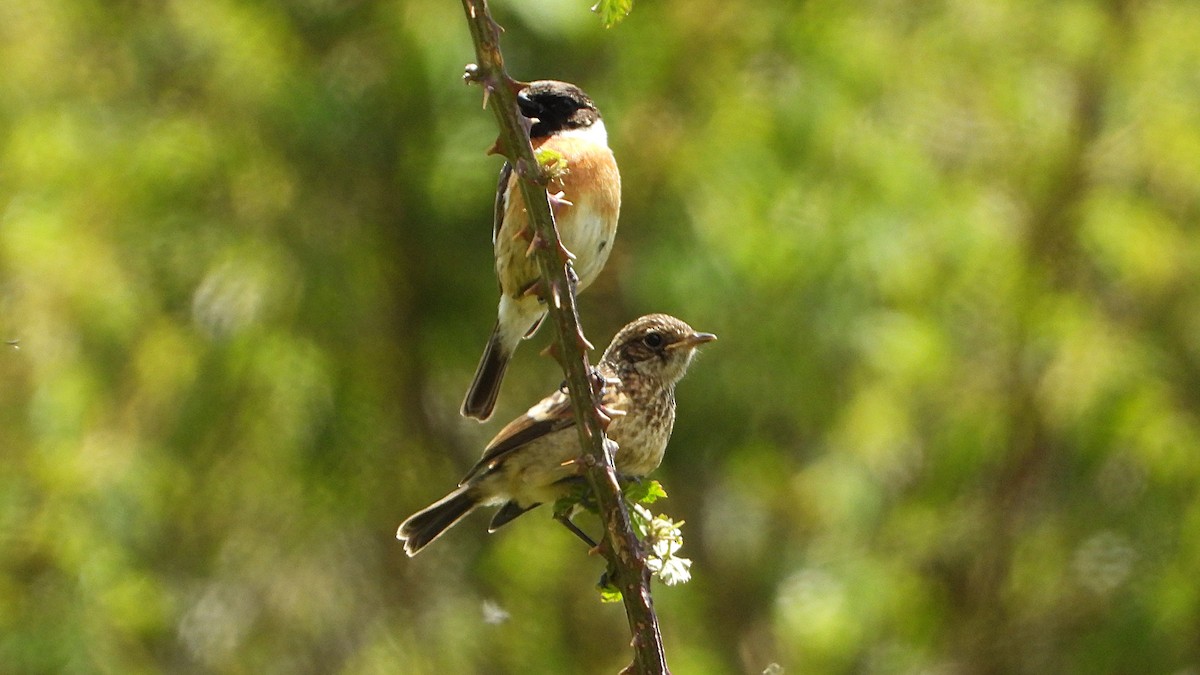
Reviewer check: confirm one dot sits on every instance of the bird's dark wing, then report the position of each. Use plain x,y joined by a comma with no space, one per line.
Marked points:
501,200
549,415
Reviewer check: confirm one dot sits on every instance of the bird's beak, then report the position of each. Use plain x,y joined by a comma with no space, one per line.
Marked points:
693,340
527,106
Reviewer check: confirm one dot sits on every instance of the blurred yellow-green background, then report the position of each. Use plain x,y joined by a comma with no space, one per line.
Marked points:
951,249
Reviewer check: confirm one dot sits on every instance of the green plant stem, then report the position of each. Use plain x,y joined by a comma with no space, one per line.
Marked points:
620,545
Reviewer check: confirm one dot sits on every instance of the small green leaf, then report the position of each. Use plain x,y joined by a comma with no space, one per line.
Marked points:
608,592
612,11
640,517
552,161
563,506
645,492
607,589
578,496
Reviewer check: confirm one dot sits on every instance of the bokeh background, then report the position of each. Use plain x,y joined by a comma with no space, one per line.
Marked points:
951,249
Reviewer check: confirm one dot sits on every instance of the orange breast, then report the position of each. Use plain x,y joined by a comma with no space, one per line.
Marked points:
592,185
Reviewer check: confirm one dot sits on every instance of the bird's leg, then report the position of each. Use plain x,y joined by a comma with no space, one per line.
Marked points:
599,381
566,521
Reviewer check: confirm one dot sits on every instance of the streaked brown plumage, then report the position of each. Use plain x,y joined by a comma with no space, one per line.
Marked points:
530,461
567,122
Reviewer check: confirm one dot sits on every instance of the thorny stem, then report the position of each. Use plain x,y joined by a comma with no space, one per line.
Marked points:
620,545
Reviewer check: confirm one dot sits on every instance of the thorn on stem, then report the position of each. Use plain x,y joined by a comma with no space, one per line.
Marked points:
583,341
515,86
607,415
559,199
536,288
566,256
535,242
473,74
553,352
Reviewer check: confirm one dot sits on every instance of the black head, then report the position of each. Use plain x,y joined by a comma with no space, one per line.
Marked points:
656,345
556,106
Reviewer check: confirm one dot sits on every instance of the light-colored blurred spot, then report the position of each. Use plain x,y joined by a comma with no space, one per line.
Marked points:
1104,562
217,623
735,526
353,70
227,300
241,292
813,614
493,613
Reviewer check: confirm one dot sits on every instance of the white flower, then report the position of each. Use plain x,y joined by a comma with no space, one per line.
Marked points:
664,539
675,571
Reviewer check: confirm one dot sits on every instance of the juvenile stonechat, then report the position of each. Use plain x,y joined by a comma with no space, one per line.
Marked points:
533,460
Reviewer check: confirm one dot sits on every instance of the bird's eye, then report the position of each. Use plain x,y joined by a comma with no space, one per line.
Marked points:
653,340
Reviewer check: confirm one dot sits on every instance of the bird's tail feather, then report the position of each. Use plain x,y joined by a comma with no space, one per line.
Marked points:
485,388
429,523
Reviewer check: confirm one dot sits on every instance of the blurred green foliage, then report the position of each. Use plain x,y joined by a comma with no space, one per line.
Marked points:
951,250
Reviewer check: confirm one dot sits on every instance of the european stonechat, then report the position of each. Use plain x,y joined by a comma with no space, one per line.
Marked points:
534,459
588,190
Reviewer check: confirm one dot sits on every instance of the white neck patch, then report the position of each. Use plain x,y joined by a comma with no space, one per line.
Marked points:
596,133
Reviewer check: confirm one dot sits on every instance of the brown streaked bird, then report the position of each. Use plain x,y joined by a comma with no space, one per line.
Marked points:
566,122
531,461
